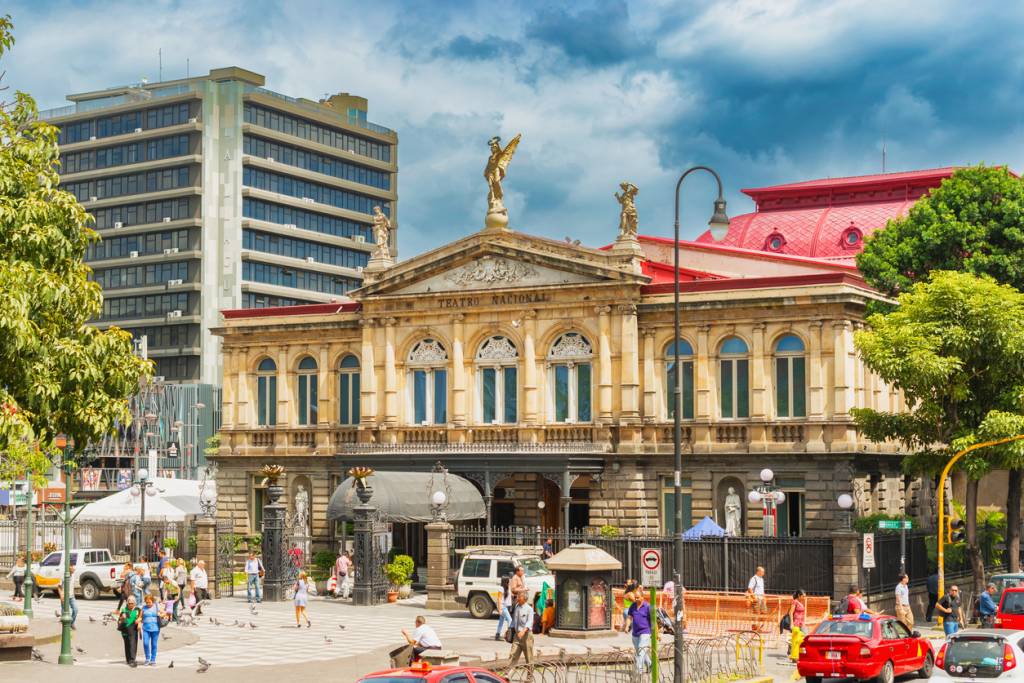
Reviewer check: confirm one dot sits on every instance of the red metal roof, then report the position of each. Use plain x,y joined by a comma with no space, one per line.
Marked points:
828,218
757,283
723,246
662,272
300,309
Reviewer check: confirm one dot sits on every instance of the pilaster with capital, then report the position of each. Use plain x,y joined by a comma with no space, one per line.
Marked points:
458,371
233,374
284,388
650,379
815,372
368,376
860,379
390,374
325,402
629,371
759,373
530,393
703,375
843,370
604,351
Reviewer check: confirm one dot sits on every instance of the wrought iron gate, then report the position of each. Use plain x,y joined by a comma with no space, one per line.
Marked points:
224,542
372,546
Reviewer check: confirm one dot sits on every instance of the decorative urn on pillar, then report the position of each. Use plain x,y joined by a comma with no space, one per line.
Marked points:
274,553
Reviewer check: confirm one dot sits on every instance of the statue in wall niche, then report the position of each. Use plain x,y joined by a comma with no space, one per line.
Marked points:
302,510
627,217
733,513
381,234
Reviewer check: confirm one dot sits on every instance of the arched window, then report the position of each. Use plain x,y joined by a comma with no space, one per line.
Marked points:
734,378
348,391
266,393
428,383
790,377
570,378
686,362
496,381
307,391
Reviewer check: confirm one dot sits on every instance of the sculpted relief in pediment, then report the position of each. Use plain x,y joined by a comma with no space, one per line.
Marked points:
495,272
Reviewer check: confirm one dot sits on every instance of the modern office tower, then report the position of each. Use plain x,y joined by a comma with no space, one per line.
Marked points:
213,193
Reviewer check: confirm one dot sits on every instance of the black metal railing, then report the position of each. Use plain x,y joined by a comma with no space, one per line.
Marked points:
119,537
919,562
717,564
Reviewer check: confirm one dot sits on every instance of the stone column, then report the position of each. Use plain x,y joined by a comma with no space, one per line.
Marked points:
530,398
206,549
368,377
629,379
758,374
703,376
845,562
390,374
604,352
231,379
815,373
275,555
284,389
325,410
243,416
650,378
458,417
365,557
440,593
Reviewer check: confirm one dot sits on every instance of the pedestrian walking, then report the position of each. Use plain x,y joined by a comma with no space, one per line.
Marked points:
301,591
933,595
161,566
422,638
72,604
755,597
129,623
180,579
518,583
987,607
505,617
797,616
253,574
952,613
189,603
201,581
139,585
125,589
171,593
17,575
153,618
147,575
342,570
638,622
903,611
548,549
522,622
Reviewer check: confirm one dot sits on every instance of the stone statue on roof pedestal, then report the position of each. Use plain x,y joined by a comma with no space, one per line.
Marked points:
494,173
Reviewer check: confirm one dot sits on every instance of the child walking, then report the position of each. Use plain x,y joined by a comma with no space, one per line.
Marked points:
301,597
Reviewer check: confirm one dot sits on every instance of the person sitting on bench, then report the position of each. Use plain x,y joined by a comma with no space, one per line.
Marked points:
421,639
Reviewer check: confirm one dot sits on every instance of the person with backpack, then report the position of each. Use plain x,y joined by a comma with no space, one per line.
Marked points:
129,623
951,610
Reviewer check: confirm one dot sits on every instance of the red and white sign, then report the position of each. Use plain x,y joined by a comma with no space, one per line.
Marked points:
650,566
869,551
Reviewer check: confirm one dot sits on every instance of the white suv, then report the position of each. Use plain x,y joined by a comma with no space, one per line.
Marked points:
478,585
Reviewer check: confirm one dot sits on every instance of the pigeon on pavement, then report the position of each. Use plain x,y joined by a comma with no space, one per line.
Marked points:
327,640
341,626
171,665
79,650
203,662
202,668
92,619
37,655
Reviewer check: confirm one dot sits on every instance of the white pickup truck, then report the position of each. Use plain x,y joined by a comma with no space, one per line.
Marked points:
95,572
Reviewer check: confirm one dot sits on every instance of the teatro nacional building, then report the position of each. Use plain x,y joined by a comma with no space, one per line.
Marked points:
541,371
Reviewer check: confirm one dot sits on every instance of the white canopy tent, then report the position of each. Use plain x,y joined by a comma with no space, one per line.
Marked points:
175,499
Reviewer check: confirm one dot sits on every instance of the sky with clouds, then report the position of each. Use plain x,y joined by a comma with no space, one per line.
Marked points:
602,91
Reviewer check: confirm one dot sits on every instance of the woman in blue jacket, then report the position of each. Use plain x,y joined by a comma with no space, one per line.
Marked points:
152,615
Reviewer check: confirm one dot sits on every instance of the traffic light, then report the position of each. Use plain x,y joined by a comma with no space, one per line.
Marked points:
956,531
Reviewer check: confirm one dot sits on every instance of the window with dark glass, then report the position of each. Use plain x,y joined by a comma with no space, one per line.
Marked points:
323,135
254,271
266,393
307,220
271,243
570,378
790,377
686,362
148,306
302,189
428,383
348,391
307,381
497,390
734,378
136,183
318,163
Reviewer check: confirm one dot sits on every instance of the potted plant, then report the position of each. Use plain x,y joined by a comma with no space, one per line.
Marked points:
170,545
399,573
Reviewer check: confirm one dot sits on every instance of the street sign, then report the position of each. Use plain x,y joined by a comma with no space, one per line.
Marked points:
650,567
869,551
895,524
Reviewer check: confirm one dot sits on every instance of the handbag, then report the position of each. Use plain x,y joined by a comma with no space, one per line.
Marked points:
261,572
510,635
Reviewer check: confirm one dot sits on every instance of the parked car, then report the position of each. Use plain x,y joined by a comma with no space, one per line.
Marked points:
981,654
864,648
95,572
1010,612
422,671
478,584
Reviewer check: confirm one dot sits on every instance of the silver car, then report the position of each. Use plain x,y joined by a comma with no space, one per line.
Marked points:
981,655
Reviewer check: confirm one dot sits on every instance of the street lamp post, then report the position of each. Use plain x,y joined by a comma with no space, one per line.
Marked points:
143,487
770,497
845,502
68,465
719,225
29,585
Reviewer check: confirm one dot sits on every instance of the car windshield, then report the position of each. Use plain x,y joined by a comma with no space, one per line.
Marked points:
844,628
983,652
1013,603
534,566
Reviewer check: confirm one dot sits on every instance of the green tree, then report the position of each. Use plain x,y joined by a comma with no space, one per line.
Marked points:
58,375
974,222
955,347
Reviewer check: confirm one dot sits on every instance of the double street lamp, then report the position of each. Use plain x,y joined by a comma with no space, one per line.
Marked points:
770,497
142,489
719,226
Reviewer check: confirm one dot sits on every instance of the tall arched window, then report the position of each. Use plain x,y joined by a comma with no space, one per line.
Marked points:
734,378
266,393
428,383
686,362
307,391
570,378
348,391
496,381
790,377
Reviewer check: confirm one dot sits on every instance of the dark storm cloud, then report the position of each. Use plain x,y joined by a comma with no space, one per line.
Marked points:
597,36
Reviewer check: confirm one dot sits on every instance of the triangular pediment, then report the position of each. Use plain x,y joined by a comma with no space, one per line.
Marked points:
489,261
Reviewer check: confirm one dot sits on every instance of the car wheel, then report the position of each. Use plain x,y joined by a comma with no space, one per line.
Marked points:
886,676
926,669
813,679
480,606
90,590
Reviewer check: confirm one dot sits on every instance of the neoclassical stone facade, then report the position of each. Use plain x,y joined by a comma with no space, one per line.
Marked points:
541,370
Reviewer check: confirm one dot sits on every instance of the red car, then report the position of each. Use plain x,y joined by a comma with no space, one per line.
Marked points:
1010,613
849,646
421,672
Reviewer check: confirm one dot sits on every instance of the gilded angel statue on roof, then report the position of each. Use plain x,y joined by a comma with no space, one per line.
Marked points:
494,173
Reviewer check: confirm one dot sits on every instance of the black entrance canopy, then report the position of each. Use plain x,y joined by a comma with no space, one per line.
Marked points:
406,496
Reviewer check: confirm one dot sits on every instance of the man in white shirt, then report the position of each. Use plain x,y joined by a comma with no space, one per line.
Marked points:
522,625
755,595
903,611
422,638
343,572
201,581
253,573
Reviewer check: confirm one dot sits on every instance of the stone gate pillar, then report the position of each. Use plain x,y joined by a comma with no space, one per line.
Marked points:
275,557
206,550
365,557
845,562
440,593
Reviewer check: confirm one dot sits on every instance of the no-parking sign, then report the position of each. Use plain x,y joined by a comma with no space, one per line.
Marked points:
650,567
